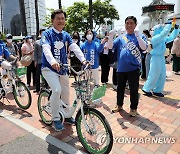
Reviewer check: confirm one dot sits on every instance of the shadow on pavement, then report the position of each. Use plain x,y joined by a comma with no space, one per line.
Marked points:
145,124
52,149
168,79
15,110
106,107
169,101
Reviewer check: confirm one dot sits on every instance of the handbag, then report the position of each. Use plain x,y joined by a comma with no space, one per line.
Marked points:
26,60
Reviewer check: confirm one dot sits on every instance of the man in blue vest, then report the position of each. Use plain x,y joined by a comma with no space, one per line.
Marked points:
56,43
128,48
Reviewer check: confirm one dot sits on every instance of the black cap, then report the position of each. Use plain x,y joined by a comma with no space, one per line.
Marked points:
9,36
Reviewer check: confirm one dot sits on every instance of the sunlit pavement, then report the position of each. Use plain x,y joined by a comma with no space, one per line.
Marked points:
155,130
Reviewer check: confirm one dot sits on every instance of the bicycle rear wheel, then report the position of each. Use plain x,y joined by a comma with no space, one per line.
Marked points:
23,98
44,107
99,138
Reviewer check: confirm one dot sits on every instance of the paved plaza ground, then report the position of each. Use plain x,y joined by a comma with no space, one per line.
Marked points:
158,120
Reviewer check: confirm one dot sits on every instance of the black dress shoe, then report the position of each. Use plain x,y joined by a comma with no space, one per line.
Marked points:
147,93
158,94
70,121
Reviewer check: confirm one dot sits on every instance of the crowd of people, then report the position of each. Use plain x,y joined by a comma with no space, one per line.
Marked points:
130,53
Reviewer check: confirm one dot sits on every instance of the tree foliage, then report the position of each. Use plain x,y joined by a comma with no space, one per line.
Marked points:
104,13
48,18
78,15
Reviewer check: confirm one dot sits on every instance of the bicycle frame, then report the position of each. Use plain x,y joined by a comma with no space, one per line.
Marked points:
84,89
90,123
8,80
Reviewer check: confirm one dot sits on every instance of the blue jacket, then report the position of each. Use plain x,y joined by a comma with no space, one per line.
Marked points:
128,52
4,53
91,52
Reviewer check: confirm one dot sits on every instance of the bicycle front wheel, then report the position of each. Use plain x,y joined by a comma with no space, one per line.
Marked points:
98,139
23,98
44,107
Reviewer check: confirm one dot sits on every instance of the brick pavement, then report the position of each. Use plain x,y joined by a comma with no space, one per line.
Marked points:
158,121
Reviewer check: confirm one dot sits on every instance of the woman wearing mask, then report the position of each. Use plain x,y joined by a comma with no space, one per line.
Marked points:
105,62
74,61
28,49
91,50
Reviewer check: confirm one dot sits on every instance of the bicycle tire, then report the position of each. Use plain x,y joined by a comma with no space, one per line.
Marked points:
108,131
41,107
26,102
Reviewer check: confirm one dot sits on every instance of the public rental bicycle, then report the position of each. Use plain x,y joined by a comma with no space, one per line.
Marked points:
10,80
93,129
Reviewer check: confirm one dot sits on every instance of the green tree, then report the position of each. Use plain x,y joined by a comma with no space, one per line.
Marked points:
104,13
48,18
78,16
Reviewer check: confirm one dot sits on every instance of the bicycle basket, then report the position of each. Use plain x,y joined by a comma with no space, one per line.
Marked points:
21,71
98,92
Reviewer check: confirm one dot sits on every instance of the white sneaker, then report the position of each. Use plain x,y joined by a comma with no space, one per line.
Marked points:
114,87
177,73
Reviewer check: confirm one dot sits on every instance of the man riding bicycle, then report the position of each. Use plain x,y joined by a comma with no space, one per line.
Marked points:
55,43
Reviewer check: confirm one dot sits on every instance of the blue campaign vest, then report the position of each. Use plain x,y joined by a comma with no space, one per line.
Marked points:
128,52
3,51
91,52
59,43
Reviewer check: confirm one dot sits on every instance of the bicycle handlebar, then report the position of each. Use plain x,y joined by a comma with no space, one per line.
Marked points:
11,62
87,65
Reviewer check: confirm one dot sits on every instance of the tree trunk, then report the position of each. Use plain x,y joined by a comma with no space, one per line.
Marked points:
59,2
37,18
23,17
90,14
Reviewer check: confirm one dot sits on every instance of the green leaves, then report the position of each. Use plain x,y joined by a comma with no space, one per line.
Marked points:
78,16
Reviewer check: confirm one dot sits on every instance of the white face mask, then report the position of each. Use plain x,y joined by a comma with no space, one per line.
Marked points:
89,37
30,40
151,32
75,41
9,40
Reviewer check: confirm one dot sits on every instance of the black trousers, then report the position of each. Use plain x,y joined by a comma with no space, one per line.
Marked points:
105,68
143,73
31,69
114,76
133,79
38,78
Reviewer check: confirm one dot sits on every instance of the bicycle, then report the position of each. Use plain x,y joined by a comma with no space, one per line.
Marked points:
93,129
10,80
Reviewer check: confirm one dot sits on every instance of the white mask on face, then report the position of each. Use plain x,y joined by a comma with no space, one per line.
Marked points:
30,40
9,40
75,41
151,32
89,37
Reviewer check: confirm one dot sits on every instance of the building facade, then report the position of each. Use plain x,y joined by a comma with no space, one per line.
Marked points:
19,17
